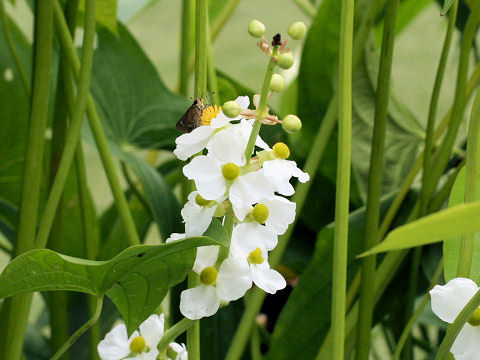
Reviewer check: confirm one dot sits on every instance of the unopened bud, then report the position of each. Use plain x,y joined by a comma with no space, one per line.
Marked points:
256,28
285,60
297,30
291,124
231,109
277,83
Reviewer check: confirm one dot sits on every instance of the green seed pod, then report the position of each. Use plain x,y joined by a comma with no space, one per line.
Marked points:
256,28
276,84
231,109
297,30
291,124
285,60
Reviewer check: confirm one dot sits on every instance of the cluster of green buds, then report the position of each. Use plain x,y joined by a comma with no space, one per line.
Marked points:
281,57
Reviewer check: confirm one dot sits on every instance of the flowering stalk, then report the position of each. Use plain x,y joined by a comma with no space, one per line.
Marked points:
186,43
173,332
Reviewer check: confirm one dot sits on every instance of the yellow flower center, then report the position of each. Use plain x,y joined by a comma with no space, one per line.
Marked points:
474,320
138,345
260,213
230,171
210,113
255,257
208,276
281,150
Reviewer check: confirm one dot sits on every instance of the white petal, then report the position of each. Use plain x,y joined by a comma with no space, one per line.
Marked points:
152,330
181,351
228,146
151,355
268,280
193,142
450,299
197,218
249,236
281,214
233,280
243,101
467,344
115,346
207,176
199,302
279,172
206,256
175,237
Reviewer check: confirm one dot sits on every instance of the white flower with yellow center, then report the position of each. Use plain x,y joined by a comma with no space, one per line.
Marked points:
142,345
227,284
276,213
255,257
447,302
253,234
197,214
213,119
280,171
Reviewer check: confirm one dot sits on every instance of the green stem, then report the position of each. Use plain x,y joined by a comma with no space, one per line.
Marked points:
256,344
82,330
342,199
440,159
186,45
262,105
11,46
73,134
171,334
432,113
15,310
307,7
375,176
456,326
98,134
212,73
133,187
471,183
408,328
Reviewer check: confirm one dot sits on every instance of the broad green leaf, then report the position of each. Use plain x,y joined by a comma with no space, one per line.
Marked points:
449,223
447,5
136,280
105,13
451,247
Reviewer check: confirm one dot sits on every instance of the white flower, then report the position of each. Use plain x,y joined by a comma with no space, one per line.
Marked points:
255,257
447,302
197,214
279,172
228,284
195,141
140,346
276,213
252,234
181,351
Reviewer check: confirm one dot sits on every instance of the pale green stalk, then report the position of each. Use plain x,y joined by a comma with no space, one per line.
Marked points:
307,7
186,45
172,333
471,183
211,71
375,177
342,199
15,310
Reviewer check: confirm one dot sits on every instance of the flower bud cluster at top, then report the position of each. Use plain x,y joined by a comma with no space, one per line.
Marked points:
244,182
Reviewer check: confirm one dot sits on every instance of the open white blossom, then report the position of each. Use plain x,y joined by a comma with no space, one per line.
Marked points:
280,171
197,214
197,140
447,302
252,234
141,345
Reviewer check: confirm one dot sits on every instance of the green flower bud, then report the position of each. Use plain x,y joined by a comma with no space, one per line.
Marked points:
474,320
260,213
277,83
281,150
256,28
201,201
231,109
138,345
297,30
255,257
219,211
285,60
208,276
291,124
230,171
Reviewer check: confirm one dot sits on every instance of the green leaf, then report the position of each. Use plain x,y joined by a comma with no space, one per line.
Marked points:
136,280
446,6
449,223
451,247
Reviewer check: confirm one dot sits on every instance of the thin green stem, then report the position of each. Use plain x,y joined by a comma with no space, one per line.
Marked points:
342,199
82,330
408,328
262,105
212,72
307,7
471,185
375,178
11,46
171,334
133,187
255,344
73,134
185,45
432,113
15,310
97,131
456,326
